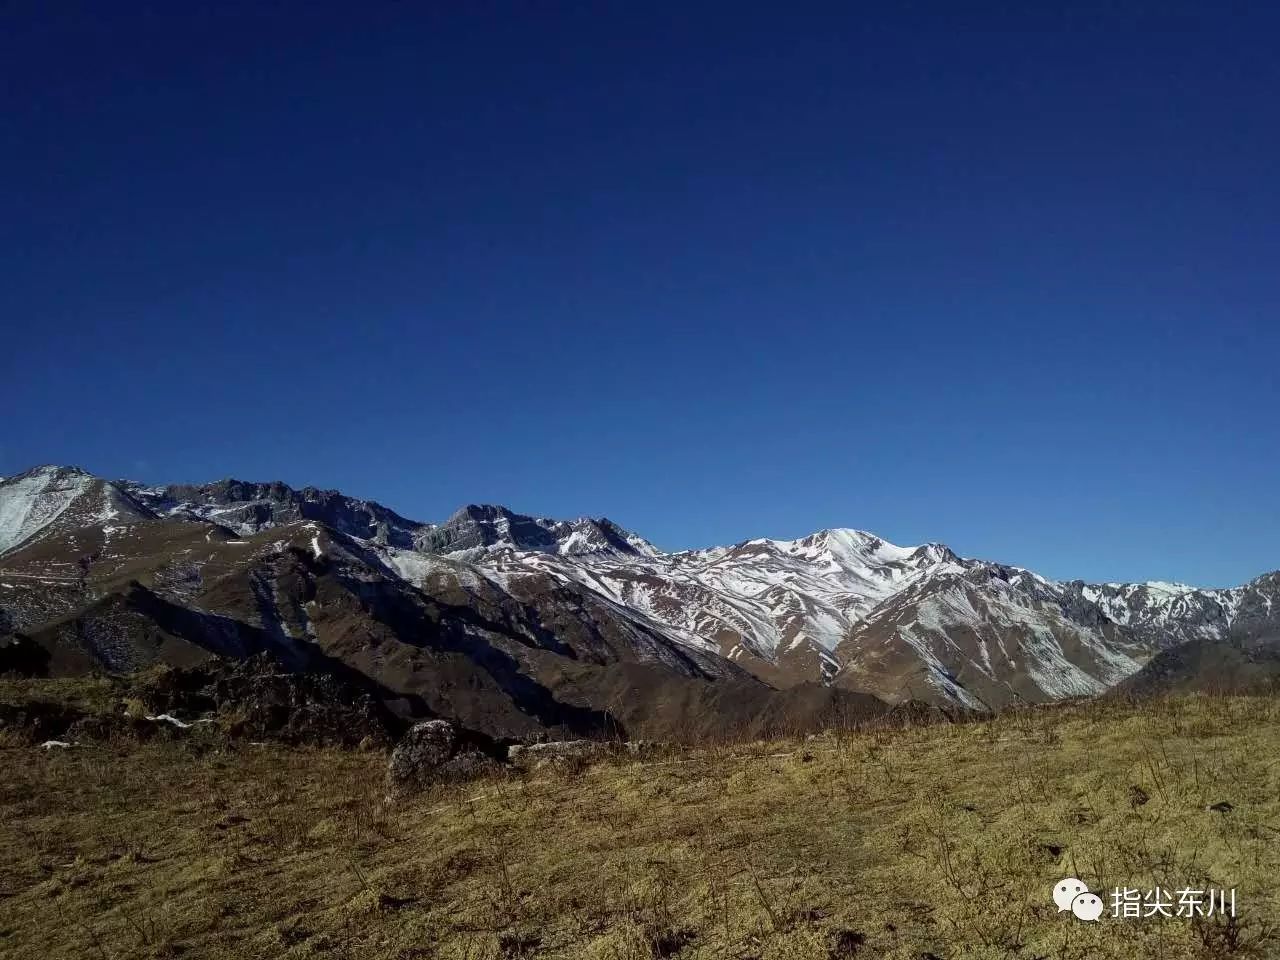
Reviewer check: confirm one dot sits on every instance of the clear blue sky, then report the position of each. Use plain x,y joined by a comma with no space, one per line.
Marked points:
999,276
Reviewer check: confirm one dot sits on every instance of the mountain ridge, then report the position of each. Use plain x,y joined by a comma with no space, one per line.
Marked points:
840,607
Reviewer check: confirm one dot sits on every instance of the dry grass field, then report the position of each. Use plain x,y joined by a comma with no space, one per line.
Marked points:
929,843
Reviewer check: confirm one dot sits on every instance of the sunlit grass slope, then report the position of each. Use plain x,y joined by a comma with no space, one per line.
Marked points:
930,842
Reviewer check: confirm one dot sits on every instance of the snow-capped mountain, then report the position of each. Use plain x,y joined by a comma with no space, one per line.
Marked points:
480,532
1165,613
778,607
845,606
49,498
840,607
247,508
979,637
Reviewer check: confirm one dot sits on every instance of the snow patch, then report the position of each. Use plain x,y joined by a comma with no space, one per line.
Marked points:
170,718
29,503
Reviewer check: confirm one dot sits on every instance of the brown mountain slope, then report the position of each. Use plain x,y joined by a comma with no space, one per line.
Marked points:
982,642
543,656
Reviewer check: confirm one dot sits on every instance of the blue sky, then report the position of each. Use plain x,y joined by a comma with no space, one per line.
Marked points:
1005,277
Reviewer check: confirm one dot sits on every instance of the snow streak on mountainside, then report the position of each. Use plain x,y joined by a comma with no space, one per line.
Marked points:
46,499
477,532
978,638
842,607
1167,613
782,606
247,508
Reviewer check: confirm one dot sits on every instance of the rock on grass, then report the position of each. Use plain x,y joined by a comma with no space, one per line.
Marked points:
432,752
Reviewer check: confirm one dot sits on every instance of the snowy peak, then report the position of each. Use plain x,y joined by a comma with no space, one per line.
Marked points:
931,553
782,605
837,606
1166,613
842,541
31,501
847,549
480,529
246,508
853,564
857,548
49,498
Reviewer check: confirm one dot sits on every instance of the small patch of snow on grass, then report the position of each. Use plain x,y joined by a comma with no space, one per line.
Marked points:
170,718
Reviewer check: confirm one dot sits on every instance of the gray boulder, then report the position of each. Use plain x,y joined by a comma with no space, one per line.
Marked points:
417,759
432,752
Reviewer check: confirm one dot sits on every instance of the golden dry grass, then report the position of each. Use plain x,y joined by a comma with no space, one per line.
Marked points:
939,842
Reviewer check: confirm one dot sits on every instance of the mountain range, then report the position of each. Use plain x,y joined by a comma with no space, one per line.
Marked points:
515,624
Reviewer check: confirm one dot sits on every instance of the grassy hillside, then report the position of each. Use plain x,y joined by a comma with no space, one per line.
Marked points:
930,842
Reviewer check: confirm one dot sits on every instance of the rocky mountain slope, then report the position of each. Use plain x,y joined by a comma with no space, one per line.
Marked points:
1244,658
514,623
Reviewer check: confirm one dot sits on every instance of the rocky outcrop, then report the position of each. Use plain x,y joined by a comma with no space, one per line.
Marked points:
257,699
480,527
36,721
251,507
435,752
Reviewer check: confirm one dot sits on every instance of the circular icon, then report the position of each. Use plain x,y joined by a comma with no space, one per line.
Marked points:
1087,906
1067,890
